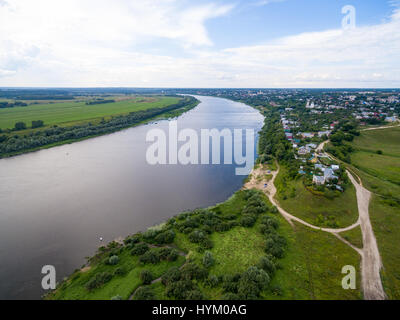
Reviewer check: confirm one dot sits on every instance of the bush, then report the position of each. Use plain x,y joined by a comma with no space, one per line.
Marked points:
193,271
179,289
98,280
248,220
146,276
268,265
144,293
20,126
119,272
194,295
172,275
212,281
208,259
149,257
252,282
113,260
37,124
165,237
139,249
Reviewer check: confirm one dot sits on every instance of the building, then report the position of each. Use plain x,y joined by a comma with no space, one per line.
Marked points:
319,180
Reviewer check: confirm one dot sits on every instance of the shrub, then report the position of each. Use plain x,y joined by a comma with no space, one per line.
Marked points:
139,249
247,220
149,257
268,265
194,295
212,281
113,260
179,289
193,271
20,126
98,280
119,271
165,237
208,259
252,282
146,276
144,293
37,124
173,274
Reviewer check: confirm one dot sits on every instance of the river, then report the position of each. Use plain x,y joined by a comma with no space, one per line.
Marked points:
55,204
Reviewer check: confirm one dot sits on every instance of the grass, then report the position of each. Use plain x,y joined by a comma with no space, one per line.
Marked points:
308,206
72,112
74,288
381,175
311,268
354,236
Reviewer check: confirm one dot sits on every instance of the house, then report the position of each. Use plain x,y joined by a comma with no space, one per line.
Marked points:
390,119
335,167
311,146
303,151
319,180
307,135
329,174
323,133
320,167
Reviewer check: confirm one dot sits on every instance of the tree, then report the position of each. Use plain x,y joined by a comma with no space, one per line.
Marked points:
37,124
208,259
20,126
113,260
146,276
144,293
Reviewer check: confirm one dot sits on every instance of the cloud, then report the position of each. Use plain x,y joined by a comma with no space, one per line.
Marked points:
90,43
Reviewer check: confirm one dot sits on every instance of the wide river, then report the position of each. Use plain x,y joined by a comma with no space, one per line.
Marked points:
55,204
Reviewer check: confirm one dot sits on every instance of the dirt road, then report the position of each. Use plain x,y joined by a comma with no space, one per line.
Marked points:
371,261
370,258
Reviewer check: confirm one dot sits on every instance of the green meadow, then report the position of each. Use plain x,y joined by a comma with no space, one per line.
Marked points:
376,161
70,112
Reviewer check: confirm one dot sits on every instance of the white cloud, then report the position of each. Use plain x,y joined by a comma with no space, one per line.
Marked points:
91,43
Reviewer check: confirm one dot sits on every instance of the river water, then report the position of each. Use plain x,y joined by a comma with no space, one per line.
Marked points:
55,204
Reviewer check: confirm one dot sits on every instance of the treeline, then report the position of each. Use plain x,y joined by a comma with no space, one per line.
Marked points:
12,144
5,104
99,101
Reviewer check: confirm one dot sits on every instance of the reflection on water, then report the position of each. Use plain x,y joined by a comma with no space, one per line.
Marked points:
55,204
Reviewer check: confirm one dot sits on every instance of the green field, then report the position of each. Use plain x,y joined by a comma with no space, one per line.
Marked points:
69,112
299,201
380,174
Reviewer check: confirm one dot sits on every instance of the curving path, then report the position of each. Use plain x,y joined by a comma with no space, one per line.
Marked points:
371,262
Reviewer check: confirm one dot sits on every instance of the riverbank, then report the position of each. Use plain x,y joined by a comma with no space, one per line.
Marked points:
125,122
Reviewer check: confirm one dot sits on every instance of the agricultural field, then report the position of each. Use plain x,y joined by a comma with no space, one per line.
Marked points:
68,113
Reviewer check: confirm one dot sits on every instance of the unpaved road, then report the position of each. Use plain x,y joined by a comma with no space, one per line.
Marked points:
371,262
379,128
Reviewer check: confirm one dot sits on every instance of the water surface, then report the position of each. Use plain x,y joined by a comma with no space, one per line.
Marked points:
56,203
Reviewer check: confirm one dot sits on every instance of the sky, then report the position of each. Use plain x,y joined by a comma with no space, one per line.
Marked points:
199,43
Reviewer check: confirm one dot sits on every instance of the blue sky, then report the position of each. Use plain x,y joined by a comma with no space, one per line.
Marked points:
202,43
